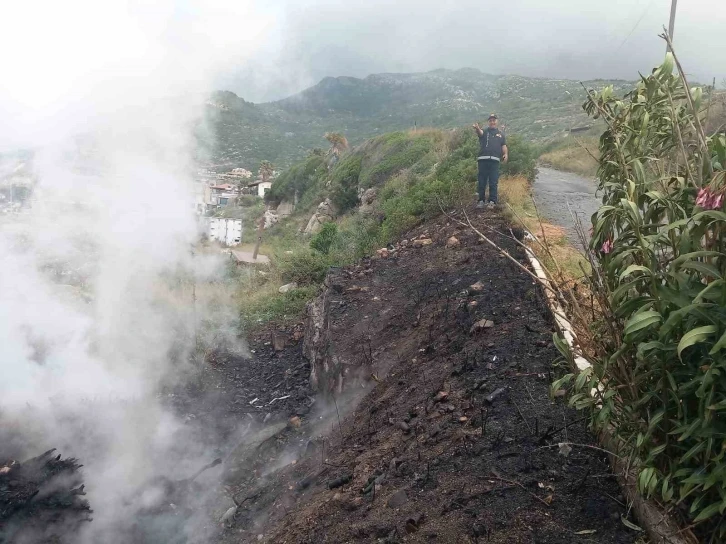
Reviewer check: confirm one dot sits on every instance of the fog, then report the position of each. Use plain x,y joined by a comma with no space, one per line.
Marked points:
94,318
575,39
97,319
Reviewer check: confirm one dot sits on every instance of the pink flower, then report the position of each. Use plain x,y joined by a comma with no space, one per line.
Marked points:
717,201
708,200
703,197
607,246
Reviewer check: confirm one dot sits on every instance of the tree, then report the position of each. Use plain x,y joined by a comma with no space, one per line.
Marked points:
266,170
338,142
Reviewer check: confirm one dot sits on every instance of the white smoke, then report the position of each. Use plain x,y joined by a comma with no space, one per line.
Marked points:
96,313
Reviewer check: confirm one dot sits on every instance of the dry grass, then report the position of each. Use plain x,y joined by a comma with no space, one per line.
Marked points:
576,157
559,256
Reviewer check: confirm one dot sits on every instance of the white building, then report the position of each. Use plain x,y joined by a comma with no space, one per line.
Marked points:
263,187
225,231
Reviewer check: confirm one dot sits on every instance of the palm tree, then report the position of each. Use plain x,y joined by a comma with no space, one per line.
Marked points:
338,142
266,170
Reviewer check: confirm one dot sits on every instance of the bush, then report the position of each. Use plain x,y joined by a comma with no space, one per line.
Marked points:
303,267
276,306
344,183
659,260
522,159
325,238
298,179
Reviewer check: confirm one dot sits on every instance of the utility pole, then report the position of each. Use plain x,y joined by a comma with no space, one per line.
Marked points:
672,22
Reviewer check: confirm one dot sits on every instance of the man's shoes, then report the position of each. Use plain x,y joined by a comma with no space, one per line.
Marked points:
490,205
480,205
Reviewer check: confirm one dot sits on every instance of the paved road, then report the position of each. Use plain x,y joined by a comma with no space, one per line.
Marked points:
554,190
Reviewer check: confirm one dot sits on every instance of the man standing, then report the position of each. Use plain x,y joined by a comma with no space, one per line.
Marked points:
492,151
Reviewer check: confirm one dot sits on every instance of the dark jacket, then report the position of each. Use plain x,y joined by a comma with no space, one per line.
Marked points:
490,144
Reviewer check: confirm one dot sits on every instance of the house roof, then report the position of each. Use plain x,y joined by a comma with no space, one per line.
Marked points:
224,187
258,182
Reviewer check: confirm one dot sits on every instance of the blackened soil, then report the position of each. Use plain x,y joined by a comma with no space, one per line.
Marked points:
454,437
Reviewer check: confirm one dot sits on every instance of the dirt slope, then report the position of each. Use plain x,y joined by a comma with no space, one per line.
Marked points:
455,438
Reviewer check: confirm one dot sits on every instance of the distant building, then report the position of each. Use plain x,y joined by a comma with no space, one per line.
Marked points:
262,187
223,195
225,231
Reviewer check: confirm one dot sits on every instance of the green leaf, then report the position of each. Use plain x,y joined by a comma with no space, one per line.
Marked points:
641,321
704,268
709,511
694,255
627,308
635,268
719,345
695,336
710,214
695,450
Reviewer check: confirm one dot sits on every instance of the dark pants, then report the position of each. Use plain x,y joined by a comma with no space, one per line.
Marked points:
488,174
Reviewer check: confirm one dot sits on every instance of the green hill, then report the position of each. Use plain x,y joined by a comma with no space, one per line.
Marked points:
241,134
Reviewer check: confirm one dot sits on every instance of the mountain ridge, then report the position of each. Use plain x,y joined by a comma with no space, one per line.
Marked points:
283,131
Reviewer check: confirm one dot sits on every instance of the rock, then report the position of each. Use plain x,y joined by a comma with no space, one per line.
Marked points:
383,253
325,213
367,198
478,287
413,523
270,219
325,370
285,209
279,341
398,499
340,482
294,422
287,287
493,396
422,242
228,515
453,242
441,396
403,426
481,325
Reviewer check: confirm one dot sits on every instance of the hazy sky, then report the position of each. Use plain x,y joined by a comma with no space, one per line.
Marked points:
578,39
56,55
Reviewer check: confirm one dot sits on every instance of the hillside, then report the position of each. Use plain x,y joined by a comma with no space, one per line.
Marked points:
283,131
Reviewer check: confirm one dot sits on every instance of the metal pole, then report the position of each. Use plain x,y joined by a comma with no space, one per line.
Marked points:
672,22
260,227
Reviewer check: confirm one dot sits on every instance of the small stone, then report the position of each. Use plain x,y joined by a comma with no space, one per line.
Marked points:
441,396
481,325
295,422
453,242
229,514
279,341
398,499
478,287
383,253
422,242
287,287
463,419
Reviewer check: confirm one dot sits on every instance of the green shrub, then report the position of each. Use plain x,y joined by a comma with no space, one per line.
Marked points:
303,267
659,271
276,307
325,238
406,153
344,182
298,179
522,158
